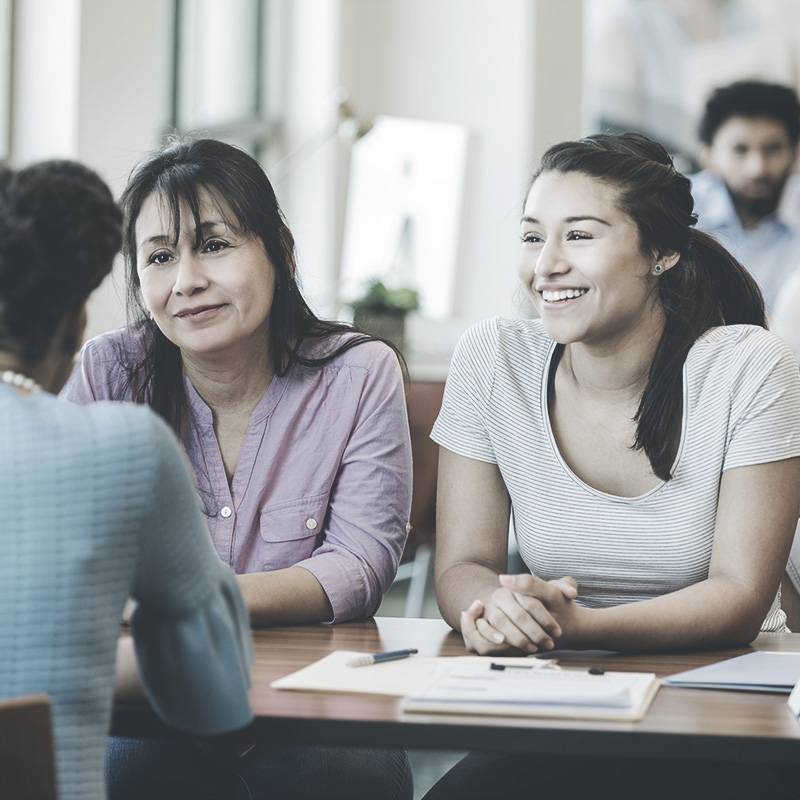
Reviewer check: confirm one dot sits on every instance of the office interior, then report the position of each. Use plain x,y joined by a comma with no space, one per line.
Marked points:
302,84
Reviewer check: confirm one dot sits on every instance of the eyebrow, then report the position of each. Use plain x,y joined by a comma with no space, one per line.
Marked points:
163,238
570,220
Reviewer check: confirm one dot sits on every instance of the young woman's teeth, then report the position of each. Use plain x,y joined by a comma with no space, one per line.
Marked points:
564,294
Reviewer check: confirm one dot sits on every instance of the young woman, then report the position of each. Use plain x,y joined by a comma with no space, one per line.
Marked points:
296,428
645,432
98,505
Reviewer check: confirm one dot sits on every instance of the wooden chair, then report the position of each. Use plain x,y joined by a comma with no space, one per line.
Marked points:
27,760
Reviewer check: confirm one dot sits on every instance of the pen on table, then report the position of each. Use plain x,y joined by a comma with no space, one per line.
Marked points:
550,664
365,661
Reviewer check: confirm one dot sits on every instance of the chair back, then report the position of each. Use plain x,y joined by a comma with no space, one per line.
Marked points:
27,760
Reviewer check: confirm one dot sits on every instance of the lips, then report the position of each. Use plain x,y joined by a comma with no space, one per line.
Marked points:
197,312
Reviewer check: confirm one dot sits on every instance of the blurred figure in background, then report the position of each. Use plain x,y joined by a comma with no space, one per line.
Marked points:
745,195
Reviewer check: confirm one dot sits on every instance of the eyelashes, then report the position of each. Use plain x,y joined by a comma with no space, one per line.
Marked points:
161,257
572,236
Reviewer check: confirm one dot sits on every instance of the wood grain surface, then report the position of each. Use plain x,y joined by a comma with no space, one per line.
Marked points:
681,724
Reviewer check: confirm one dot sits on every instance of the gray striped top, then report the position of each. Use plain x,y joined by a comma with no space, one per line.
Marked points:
741,407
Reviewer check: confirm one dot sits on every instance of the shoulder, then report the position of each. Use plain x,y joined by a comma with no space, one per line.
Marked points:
105,365
121,430
729,341
119,346
703,184
501,334
139,420
351,351
737,350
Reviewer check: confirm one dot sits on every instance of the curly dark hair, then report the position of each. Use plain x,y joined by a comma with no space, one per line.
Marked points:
751,99
59,232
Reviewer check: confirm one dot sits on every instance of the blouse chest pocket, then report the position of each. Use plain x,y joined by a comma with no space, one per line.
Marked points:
291,531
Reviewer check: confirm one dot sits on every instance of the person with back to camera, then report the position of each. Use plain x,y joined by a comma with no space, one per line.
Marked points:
746,195
295,427
98,505
646,433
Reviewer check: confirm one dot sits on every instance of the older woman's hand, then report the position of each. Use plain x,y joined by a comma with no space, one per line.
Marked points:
525,612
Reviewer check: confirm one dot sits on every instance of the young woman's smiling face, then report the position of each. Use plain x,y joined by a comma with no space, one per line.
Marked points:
582,262
210,298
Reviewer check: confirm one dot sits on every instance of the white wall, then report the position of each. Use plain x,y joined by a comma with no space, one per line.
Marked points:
45,80
510,72
89,84
91,77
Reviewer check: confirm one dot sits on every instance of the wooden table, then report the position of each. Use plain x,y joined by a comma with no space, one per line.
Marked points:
701,724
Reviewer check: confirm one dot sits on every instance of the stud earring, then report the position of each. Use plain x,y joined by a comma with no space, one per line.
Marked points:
658,269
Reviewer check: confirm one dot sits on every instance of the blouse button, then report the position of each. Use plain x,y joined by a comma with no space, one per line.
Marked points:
311,523
225,512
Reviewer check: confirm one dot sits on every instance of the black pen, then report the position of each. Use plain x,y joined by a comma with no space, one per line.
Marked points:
365,661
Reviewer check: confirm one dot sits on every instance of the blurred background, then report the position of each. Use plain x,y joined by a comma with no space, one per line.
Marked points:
326,92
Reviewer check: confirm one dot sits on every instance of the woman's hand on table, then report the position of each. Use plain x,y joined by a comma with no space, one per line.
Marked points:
525,612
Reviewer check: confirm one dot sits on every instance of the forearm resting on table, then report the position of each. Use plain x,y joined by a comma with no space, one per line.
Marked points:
717,612
284,597
458,586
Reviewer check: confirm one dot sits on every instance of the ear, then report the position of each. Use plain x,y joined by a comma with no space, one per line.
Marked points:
668,260
705,159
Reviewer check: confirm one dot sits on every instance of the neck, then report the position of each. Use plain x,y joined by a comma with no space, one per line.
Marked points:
227,384
616,373
49,375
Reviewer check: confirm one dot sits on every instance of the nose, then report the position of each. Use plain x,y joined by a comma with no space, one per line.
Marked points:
755,164
550,260
190,277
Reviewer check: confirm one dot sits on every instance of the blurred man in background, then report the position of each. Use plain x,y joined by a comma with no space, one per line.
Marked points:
746,195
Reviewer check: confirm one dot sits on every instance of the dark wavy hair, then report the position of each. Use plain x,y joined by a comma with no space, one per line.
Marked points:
59,232
181,174
707,287
751,99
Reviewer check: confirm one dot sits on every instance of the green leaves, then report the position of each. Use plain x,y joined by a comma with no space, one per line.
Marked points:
379,298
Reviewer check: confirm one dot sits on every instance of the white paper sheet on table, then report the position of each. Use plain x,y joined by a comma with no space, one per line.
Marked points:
393,678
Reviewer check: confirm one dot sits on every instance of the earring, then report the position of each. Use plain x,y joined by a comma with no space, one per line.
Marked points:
658,269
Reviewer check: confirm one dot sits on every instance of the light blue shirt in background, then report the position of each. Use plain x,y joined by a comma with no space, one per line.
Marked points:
771,250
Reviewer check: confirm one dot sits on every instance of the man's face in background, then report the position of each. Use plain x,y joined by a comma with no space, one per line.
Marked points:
753,156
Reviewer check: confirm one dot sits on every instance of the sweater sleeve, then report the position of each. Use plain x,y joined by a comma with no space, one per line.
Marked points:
190,626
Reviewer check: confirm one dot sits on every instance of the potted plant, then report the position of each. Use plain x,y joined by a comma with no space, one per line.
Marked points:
382,312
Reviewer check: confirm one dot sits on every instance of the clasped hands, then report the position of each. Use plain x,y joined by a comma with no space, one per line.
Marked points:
525,612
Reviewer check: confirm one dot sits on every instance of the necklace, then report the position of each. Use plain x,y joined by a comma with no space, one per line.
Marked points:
20,381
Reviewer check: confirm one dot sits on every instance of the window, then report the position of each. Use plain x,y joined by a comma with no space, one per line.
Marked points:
221,57
6,55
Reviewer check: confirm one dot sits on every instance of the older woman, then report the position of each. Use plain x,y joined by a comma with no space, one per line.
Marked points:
296,428
98,504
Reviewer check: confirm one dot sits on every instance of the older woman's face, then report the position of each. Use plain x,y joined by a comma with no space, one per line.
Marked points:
582,263
210,300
